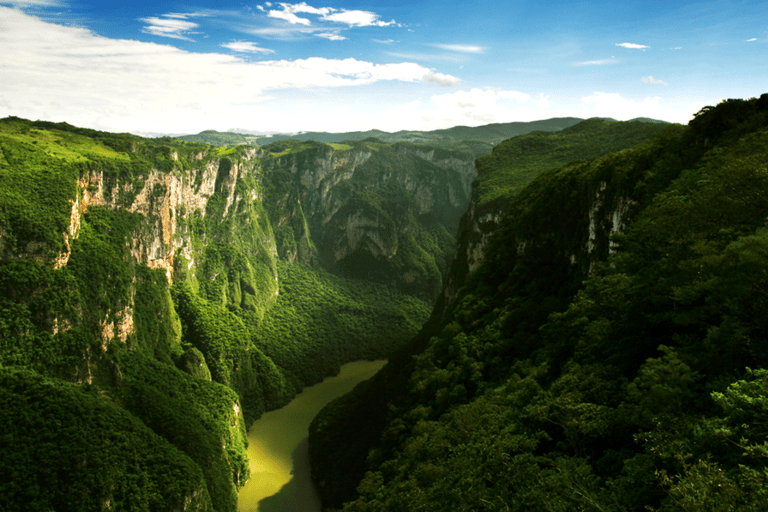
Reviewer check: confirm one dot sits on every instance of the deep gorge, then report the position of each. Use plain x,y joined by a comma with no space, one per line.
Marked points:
563,316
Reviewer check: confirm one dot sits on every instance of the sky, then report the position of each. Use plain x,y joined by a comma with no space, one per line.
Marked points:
177,67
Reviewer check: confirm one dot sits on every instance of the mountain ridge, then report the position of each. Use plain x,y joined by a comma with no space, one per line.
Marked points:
607,353
486,134
193,287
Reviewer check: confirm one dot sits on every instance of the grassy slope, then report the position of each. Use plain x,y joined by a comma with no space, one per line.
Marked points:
517,161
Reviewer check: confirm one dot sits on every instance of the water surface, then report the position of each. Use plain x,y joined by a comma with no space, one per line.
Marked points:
278,450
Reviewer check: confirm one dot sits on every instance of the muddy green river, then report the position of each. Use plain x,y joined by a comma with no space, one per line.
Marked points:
277,446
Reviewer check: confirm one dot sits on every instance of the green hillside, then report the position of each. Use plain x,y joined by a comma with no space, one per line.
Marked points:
609,354
158,295
141,305
515,162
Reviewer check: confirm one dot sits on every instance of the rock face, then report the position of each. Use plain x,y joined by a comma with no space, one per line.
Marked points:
603,281
369,210
515,163
519,256
141,270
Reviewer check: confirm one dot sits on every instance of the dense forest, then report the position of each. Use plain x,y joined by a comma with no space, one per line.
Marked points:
158,295
608,353
147,316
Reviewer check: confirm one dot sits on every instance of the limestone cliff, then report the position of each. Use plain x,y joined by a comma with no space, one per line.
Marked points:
370,210
514,163
595,354
143,270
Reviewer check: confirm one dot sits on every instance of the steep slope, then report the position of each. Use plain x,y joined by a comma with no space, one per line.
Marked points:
514,164
385,213
608,353
136,274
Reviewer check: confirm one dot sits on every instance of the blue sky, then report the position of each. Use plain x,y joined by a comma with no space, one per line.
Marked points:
326,65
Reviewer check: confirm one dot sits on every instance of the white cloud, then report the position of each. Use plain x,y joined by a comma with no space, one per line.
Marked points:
171,25
303,7
602,62
64,73
246,47
462,48
426,56
289,16
383,41
633,46
288,12
520,97
750,40
331,36
352,18
357,18
650,80
441,79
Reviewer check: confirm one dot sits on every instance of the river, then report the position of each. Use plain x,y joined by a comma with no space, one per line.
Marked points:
278,450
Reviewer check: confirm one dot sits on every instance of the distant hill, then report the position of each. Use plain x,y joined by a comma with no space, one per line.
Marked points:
478,140
222,138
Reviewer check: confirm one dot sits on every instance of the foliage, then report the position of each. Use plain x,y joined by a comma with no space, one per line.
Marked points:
515,162
225,343
195,415
215,138
597,359
321,321
102,349
65,448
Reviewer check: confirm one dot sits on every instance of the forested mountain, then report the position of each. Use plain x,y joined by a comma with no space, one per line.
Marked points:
158,295
606,347
153,301
479,140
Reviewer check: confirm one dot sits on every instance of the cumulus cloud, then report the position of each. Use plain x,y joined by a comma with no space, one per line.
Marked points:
461,48
332,36
633,46
174,26
352,18
650,80
441,79
601,62
246,47
514,95
289,16
358,18
59,72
